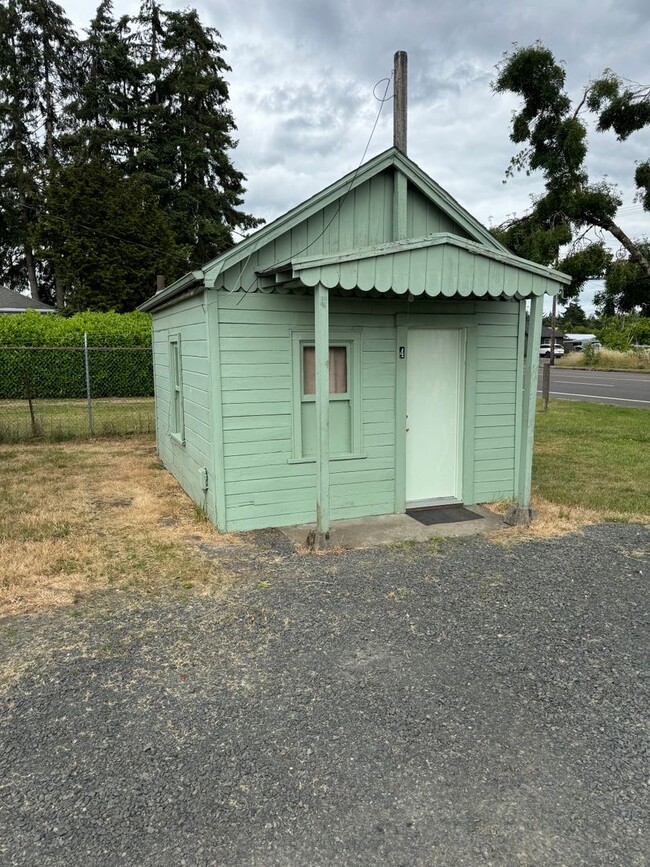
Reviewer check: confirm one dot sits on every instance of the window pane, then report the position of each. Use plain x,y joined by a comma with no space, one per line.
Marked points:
338,370
308,370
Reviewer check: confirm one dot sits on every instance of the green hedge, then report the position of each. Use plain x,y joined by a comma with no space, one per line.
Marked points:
60,372
42,355
103,329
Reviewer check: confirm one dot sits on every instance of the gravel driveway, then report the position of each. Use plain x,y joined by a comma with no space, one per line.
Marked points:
474,705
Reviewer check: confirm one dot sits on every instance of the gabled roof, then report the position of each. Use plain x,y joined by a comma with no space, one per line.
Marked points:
548,332
14,302
391,158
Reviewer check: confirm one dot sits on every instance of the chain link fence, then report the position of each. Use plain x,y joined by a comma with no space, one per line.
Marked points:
63,392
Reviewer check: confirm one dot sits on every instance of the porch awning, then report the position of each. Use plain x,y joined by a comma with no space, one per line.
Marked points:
437,265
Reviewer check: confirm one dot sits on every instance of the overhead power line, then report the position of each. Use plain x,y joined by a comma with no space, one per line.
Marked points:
382,101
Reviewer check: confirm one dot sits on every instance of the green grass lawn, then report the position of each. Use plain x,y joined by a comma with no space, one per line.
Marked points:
58,420
593,455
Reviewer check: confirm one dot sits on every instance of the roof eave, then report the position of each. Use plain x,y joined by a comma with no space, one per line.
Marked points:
287,221
428,241
187,281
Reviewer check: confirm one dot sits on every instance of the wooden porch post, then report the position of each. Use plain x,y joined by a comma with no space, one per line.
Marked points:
322,353
521,513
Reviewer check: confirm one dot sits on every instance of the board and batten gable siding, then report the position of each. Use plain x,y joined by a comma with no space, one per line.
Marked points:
361,220
185,460
424,218
266,486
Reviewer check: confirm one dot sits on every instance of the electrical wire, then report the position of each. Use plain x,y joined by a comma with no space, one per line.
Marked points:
381,101
101,233
96,231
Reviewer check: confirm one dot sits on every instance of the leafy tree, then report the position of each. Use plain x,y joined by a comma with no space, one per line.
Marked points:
108,237
554,135
627,286
624,332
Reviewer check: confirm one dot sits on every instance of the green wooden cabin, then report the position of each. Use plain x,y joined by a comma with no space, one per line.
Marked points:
363,353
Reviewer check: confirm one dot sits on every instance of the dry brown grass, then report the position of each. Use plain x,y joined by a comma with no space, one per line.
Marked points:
608,359
555,519
78,518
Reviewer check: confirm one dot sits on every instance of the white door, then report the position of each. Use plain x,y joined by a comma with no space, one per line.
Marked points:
434,416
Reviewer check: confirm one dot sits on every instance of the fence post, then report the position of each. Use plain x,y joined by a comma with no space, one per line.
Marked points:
546,385
88,398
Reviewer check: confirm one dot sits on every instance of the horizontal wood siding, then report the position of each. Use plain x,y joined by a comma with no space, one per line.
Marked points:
185,461
496,400
264,487
264,484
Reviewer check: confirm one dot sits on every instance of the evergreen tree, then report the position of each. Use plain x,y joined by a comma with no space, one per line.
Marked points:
20,151
194,140
151,108
128,132
102,112
573,317
107,236
37,58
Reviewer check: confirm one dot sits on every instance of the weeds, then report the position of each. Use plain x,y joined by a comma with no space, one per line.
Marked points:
607,359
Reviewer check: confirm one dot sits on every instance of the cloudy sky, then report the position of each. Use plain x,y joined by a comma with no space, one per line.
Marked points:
303,74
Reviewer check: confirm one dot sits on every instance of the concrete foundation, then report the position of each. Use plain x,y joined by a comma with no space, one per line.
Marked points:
390,530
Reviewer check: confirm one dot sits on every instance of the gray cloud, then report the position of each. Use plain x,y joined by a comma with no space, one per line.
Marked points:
303,74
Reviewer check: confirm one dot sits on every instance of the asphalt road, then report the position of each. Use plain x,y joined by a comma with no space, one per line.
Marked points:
618,388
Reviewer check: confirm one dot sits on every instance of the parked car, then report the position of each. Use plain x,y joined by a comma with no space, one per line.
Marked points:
545,350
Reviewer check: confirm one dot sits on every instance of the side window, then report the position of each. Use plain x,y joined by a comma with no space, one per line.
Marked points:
344,392
177,425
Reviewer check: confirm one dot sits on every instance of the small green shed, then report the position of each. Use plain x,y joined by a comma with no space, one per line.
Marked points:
364,353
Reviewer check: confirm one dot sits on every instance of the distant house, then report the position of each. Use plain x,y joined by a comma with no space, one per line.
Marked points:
361,355
14,302
547,334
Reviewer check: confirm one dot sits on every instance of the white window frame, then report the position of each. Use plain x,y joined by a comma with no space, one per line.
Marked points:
176,405
352,340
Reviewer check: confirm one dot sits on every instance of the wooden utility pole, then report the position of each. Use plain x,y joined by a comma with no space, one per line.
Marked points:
160,282
400,104
553,329
400,100
546,385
